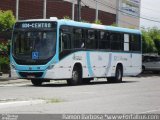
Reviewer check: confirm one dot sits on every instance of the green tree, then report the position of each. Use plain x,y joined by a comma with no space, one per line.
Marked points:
148,44
114,24
154,33
4,56
67,17
98,22
7,20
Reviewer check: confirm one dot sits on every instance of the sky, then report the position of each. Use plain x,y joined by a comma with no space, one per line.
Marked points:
150,9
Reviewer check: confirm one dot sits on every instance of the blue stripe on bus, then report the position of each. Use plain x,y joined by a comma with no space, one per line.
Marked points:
90,71
109,63
126,30
33,67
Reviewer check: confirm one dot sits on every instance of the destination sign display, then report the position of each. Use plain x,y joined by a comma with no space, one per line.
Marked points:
35,25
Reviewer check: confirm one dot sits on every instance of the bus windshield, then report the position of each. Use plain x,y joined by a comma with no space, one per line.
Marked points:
34,45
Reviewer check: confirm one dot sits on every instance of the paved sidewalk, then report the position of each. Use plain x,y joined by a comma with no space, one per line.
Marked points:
5,79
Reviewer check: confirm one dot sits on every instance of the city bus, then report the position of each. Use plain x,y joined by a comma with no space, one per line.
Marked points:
60,49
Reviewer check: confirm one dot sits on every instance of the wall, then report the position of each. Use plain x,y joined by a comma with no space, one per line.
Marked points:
129,13
33,9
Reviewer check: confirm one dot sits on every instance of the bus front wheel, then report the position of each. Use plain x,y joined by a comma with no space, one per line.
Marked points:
76,77
37,82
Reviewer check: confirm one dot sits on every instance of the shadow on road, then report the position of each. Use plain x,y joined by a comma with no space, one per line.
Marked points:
148,74
89,84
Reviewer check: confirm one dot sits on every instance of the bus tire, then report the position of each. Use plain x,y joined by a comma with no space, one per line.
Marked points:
118,75
76,77
37,82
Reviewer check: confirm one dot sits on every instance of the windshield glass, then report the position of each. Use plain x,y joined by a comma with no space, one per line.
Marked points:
34,45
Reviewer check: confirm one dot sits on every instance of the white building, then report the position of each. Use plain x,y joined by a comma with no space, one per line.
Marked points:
127,11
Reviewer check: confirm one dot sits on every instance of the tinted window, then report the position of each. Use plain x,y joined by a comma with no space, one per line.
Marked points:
78,38
116,41
104,41
65,42
91,41
135,44
25,43
151,59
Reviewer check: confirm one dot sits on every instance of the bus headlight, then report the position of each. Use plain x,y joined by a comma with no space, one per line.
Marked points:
50,67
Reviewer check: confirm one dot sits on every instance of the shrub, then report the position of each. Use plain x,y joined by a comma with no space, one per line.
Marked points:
4,57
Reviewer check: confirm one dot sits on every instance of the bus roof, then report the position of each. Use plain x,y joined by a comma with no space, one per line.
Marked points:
96,26
87,25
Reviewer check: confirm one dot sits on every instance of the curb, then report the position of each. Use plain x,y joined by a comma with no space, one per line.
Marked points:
21,103
11,81
7,79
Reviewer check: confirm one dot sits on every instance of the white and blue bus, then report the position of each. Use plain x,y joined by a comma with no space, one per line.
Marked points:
53,49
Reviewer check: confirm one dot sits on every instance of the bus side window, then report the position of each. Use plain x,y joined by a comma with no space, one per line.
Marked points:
91,42
65,38
135,44
64,44
116,41
104,42
78,38
66,41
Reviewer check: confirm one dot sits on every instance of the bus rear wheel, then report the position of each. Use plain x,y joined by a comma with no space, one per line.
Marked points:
76,77
118,75
37,82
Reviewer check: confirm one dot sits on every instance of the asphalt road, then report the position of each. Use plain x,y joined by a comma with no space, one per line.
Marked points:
136,95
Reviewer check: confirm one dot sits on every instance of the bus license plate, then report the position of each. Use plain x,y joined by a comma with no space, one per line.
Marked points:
30,76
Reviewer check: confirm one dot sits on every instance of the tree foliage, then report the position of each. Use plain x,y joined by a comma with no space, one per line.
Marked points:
7,20
67,17
4,56
147,43
98,22
155,35
151,40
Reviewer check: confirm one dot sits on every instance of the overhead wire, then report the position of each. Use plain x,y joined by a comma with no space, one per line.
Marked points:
118,18
107,5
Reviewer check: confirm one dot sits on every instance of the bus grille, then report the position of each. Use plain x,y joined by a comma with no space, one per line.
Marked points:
27,74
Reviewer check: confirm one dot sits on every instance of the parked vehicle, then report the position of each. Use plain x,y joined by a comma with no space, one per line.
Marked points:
151,63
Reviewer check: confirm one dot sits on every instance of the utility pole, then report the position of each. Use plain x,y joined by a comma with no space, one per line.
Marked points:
17,9
117,12
73,9
96,10
79,10
44,9
140,3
